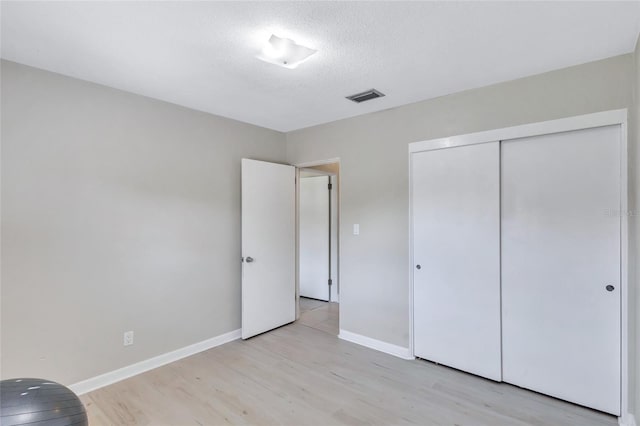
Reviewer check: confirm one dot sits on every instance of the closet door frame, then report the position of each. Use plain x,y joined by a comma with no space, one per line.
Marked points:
581,122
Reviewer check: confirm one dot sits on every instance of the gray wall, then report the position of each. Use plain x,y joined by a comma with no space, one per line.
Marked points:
374,173
634,163
119,213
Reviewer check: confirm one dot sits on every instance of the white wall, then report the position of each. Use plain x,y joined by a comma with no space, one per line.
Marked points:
374,173
119,213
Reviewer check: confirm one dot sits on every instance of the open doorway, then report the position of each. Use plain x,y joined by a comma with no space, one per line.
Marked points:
318,246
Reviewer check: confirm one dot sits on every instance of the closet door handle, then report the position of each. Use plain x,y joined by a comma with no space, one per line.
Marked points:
418,267
610,287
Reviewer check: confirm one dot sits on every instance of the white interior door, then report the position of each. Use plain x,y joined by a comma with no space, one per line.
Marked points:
268,246
561,265
456,252
314,237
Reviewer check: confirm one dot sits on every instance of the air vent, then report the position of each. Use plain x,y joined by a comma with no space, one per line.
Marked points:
365,96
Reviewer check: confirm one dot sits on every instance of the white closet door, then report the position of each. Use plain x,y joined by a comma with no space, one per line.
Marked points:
456,246
560,252
314,237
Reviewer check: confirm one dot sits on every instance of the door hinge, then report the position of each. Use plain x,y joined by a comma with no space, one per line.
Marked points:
330,186
330,281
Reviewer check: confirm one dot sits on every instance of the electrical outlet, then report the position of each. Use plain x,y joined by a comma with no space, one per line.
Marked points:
128,338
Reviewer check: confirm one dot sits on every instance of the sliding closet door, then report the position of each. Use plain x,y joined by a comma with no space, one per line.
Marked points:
456,252
561,265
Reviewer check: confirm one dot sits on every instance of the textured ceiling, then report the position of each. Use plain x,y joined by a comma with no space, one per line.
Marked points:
202,54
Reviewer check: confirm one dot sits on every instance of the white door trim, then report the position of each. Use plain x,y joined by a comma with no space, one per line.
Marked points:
317,163
587,121
298,167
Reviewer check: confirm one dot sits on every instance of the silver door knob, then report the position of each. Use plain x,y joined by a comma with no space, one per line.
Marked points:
249,259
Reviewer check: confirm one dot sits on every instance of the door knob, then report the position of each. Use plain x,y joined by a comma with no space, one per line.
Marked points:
418,267
610,287
249,259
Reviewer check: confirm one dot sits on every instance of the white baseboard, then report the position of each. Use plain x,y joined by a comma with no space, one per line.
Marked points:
151,363
627,420
378,345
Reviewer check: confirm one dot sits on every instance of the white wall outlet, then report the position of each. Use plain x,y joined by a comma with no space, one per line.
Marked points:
128,338
356,229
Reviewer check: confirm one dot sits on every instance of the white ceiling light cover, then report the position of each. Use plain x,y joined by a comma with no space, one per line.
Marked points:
285,52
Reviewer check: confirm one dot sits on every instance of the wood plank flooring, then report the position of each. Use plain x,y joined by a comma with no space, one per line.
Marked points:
319,315
300,375
307,304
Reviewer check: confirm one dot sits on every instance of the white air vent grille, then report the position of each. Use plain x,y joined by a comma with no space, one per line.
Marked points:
365,96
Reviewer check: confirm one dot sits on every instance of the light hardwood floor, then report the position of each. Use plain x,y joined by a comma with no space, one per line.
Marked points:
319,315
307,304
301,375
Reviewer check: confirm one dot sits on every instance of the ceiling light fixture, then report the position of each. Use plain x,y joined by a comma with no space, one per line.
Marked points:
285,52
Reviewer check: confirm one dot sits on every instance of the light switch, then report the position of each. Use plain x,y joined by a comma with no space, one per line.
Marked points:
356,229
